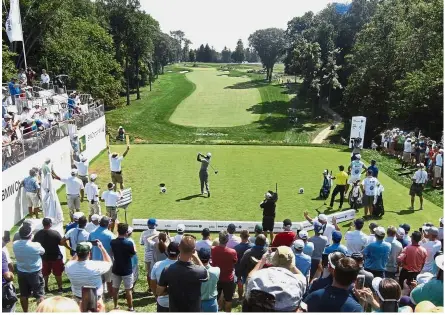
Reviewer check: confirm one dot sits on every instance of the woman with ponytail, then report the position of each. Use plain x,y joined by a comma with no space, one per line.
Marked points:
159,243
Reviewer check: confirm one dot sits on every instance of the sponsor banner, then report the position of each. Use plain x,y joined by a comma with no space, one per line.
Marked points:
14,203
92,138
216,226
358,125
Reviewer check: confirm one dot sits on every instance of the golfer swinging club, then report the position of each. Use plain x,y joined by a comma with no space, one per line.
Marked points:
203,173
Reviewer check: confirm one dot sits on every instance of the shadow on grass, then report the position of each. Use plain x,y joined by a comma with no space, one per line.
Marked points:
190,197
248,85
401,212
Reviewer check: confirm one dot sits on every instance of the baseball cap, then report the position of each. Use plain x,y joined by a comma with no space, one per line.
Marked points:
283,257
299,244
110,185
259,228
357,256
439,261
231,228
209,154
401,231
336,236
322,217
379,231
358,156
95,217
286,287
204,253
303,234
27,222
7,116
373,225
83,247
25,231
428,307
317,227
420,165
180,227
424,277
205,232
73,171
77,215
83,159
359,223
173,249
46,221
406,227
433,231
287,222
151,222
93,176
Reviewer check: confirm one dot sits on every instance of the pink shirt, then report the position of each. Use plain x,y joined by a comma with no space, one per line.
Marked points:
413,258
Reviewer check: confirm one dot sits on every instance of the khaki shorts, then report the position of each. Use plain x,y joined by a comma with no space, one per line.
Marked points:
106,277
112,212
73,202
406,157
33,200
94,208
116,178
437,171
117,280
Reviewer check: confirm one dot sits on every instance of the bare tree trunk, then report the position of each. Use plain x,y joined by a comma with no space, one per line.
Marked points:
138,93
128,80
270,74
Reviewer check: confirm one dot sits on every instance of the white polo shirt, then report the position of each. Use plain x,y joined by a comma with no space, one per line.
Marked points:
86,273
73,185
407,146
44,78
355,241
82,168
115,163
111,198
92,191
420,177
203,244
370,185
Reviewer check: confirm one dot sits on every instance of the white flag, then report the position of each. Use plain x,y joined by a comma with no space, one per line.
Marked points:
13,23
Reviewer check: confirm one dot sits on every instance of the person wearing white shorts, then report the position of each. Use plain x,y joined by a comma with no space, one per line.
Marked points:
74,189
32,188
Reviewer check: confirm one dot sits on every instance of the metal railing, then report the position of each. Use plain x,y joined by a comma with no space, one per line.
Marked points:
35,141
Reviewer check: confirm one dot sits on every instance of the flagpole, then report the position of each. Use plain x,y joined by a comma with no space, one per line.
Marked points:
23,39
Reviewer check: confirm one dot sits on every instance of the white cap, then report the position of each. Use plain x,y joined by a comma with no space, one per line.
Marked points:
358,156
303,234
47,160
400,231
379,231
439,261
424,277
298,244
180,227
77,215
93,176
323,217
74,171
268,195
83,159
95,217
325,172
120,127
209,154
7,116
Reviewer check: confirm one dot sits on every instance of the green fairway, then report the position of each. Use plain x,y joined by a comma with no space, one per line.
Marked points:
245,173
217,101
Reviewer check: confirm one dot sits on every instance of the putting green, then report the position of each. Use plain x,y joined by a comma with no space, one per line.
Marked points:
215,103
245,173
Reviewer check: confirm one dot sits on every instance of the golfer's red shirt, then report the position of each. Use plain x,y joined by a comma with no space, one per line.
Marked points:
225,258
284,239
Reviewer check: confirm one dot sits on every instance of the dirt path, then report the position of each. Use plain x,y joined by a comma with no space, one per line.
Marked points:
322,135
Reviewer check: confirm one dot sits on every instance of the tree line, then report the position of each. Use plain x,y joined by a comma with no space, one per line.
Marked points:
205,53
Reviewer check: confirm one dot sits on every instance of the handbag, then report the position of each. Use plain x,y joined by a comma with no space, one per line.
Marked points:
9,295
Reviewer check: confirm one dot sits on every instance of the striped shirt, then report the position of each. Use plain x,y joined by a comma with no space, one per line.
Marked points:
30,184
27,254
86,273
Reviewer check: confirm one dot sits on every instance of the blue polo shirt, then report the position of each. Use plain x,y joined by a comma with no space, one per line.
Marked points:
30,184
303,263
332,299
105,236
336,247
374,169
376,255
70,226
12,89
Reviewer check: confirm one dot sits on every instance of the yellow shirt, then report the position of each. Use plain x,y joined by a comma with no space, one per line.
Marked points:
341,178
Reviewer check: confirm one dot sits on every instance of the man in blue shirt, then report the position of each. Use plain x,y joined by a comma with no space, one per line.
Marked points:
302,261
75,223
374,169
105,236
122,270
32,191
376,254
14,89
240,249
336,298
336,246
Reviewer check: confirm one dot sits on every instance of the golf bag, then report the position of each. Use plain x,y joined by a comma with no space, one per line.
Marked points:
325,188
355,197
378,207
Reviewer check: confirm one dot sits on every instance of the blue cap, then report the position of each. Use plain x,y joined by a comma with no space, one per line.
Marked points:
151,221
336,236
204,253
317,227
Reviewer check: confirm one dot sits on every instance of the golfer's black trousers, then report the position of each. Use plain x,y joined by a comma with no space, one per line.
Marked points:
338,189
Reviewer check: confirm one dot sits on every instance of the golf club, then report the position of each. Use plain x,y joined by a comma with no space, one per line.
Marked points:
216,171
317,209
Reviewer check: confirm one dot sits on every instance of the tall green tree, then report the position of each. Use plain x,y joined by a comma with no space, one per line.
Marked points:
179,37
192,56
270,45
238,54
163,52
225,55
207,56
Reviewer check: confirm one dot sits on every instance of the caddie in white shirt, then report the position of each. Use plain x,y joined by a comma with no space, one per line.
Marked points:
82,169
419,179
369,188
116,167
92,191
74,187
355,171
111,198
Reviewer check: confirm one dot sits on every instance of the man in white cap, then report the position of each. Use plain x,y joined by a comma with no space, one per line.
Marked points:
180,228
82,169
355,170
420,178
407,149
327,228
94,224
116,167
203,172
308,246
92,191
74,187
438,168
